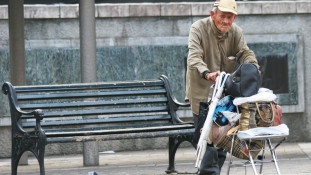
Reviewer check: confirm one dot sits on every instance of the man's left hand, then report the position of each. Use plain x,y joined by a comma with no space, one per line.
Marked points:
212,76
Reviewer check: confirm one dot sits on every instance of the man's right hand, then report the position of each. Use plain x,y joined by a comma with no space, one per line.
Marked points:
212,76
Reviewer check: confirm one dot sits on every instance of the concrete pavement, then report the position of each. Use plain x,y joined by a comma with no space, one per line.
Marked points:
294,159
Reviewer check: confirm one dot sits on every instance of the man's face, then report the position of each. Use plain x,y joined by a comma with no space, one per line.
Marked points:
223,20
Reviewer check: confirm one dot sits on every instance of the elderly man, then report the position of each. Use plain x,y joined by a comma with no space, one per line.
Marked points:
214,44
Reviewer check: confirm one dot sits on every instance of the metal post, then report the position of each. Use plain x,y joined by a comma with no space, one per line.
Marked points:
87,41
17,49
17,42
88,66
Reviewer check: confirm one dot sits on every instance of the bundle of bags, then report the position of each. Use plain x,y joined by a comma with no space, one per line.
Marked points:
240,114
243,105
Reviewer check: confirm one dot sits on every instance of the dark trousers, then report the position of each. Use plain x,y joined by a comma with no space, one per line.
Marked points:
213,158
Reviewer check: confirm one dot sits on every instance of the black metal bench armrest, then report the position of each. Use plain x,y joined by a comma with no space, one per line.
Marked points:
175,104
8,89
38,115
181,104
188,123
170,93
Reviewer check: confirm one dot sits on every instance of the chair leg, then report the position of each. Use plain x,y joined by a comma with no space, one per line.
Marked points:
273,156
265,142
251,159
230,159
262,156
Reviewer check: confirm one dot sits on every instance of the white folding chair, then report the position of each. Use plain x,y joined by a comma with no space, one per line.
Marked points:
265,137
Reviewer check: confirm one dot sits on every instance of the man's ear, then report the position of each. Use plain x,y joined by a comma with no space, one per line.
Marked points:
234,17
212,13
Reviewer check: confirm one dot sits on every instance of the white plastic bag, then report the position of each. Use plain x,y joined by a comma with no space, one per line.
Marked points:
263,96
280,130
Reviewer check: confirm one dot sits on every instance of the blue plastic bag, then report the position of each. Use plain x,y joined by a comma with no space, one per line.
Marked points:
225,104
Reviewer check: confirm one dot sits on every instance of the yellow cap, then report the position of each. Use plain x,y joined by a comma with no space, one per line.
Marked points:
226,6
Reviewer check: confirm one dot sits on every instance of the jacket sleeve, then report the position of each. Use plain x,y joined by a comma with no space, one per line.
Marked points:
244,54
195,55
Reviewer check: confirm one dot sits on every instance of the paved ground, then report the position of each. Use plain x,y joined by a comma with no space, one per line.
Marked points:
294,159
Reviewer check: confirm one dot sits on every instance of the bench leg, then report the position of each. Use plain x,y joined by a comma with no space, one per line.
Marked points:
39,152
15,156
34,144
172,148
19,146
174,143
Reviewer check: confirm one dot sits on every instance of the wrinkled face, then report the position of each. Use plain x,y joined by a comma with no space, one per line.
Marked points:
223,20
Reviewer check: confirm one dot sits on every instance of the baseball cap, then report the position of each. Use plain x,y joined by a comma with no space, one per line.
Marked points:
226,6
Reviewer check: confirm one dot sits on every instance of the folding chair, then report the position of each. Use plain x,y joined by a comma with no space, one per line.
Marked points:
265,137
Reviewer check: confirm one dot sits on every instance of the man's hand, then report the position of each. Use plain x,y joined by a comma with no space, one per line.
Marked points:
212,76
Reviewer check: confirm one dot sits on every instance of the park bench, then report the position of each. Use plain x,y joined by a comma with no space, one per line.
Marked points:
43,114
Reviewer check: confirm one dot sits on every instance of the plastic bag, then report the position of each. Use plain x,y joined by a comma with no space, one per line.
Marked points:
281,130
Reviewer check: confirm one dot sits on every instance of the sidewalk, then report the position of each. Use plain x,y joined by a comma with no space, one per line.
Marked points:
294,159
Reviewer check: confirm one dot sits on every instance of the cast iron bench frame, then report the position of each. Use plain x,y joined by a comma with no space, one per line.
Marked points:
149,111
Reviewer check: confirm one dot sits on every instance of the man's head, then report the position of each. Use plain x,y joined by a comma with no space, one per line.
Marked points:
223,14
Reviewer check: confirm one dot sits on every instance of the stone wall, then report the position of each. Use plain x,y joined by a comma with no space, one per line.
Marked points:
144,41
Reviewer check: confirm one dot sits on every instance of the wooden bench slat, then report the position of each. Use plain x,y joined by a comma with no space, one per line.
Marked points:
113,126
98,120
101,112
90,94
108,137
118,131
89,86
91,103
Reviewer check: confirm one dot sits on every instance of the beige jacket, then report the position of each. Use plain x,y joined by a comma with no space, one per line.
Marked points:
208,52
